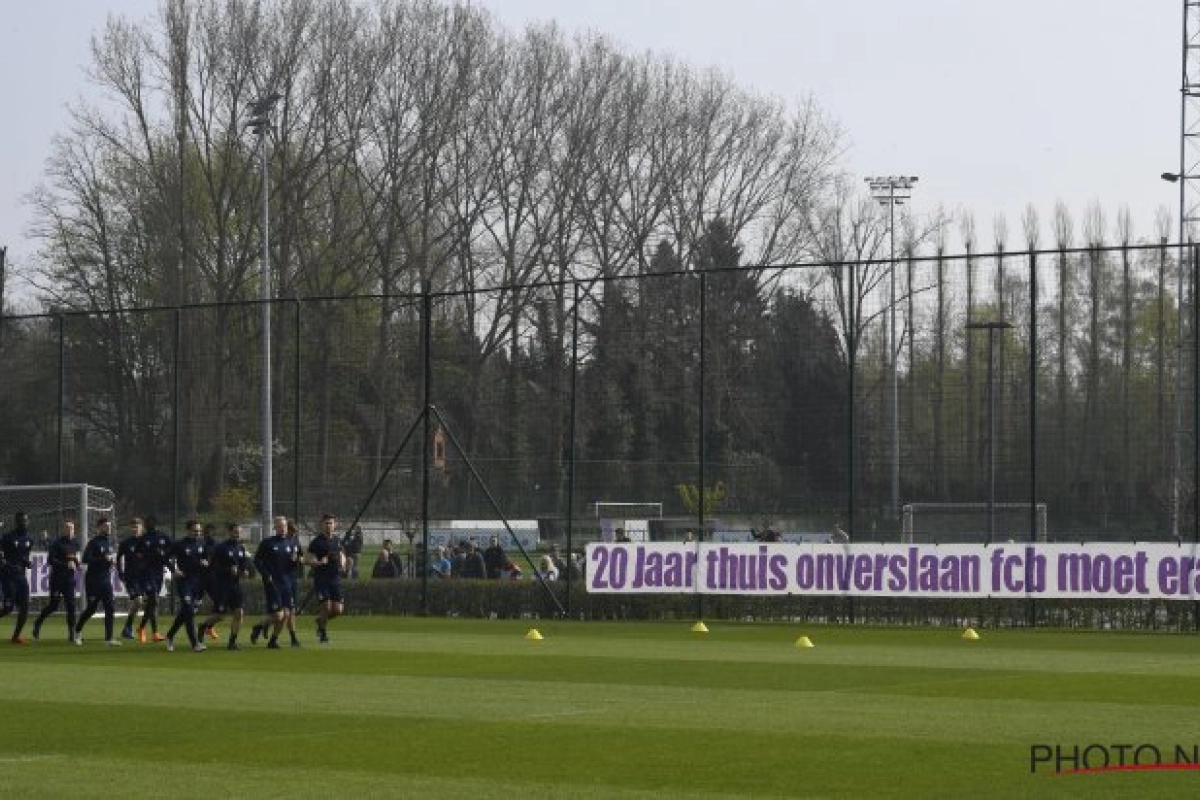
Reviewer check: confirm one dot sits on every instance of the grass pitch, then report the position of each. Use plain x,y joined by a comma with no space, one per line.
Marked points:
399,707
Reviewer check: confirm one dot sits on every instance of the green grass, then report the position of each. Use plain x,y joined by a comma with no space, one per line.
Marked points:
400,707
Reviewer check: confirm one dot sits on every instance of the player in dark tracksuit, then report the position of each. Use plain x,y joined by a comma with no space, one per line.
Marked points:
15,547
188,565
327,560
99,558
230,562
64,566
276,559
209,541
158,551
131,567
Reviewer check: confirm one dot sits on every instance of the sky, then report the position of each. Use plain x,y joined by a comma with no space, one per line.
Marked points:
996,106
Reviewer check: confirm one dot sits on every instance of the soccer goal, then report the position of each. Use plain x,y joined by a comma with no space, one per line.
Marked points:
606,510
632,518
968,522
48,505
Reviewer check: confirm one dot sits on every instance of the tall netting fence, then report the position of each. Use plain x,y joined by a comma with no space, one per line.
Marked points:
711,401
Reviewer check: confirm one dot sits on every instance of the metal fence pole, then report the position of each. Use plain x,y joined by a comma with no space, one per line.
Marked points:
571,439
701,434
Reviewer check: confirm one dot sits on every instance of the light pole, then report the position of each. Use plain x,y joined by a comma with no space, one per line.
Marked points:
892,191
1177,445
991,328
260,126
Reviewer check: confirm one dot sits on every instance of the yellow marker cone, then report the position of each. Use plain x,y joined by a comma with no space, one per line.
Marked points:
970,635
534,635
804,642
699,627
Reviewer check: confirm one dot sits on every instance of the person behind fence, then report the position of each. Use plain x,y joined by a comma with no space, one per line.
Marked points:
549,565
439,565
494,558
63,557
15,547
472,562
131,568
99,557
158,552
352,546
387,563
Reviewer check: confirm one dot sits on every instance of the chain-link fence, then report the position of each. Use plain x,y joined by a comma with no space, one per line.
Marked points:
780,391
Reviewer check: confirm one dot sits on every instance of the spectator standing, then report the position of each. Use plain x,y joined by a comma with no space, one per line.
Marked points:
494,558
387,564
440,566
352,546
472,563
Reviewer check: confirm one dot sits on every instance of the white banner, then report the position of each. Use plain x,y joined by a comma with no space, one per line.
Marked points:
1008,570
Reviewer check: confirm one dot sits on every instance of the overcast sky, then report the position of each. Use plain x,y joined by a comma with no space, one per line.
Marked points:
995,105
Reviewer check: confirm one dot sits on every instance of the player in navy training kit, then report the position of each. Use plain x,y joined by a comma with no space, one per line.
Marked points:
15,547
276,559
326,558
187,566
99,557
230,563
64,566
131,567
209,541
158,551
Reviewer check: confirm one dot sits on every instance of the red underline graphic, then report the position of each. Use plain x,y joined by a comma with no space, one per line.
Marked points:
1130,768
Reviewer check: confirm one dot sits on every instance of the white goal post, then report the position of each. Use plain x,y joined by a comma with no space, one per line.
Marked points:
48,505
605,510
968,522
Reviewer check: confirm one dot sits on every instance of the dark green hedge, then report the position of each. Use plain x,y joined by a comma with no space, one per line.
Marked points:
527,599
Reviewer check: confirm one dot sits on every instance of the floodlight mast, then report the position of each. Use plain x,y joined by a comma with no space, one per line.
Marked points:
260,125
892,191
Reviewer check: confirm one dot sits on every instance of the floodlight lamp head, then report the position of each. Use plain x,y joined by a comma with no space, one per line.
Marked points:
1170,177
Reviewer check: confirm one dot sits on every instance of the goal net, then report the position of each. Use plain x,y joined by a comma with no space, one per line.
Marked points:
632,518
937,523
49,505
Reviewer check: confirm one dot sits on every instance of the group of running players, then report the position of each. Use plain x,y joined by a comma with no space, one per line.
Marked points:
198,564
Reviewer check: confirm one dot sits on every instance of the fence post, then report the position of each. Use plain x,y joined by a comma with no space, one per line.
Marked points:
1031,604
176,398
571,439
701,438
426,381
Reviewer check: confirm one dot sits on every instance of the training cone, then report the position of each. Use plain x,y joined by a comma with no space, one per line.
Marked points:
534,635
699,627
970,635
804,642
